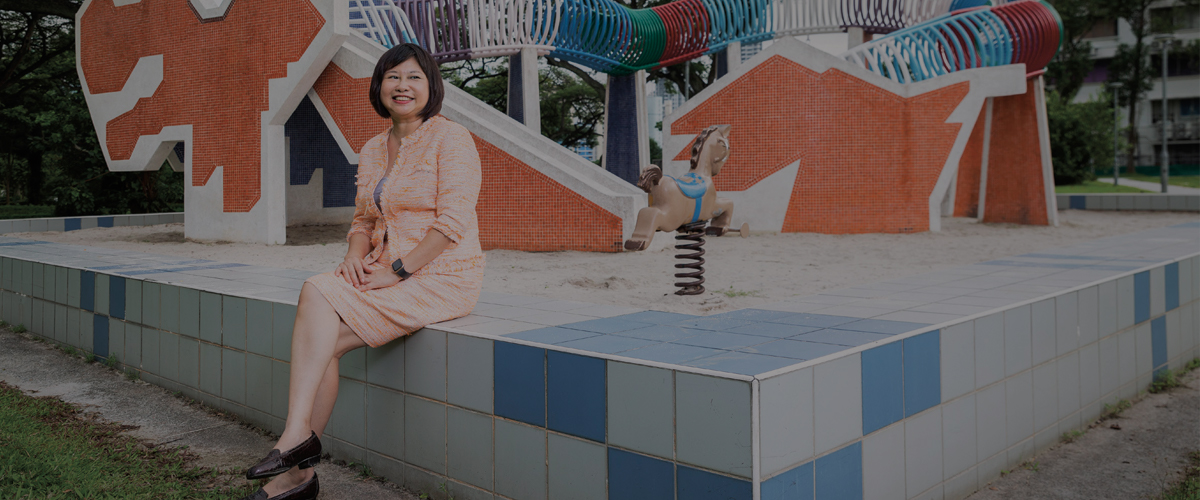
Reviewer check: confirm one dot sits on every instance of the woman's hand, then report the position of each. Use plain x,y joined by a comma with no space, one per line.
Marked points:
353,271
378,280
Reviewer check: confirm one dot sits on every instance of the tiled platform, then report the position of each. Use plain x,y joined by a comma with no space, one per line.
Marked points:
1130,201
922,387
61,224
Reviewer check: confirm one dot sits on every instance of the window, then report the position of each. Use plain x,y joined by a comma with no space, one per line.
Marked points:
1101,29
1099,72
1172,19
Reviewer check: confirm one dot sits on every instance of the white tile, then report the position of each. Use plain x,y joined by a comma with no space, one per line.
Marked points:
1128,349
1089,374
786,414
1145,354
1088,315
990,422
1069,423
1158,290
1068,384
1066,317
1175,341
1044,439
958,360
1017,340
1110,365
837,402
1044,331
989,470
962,485
1124,302
923,451
958,435
883,464
989,350
1106,306
1187,331
1045,395
1018,399
1021,451
1185,281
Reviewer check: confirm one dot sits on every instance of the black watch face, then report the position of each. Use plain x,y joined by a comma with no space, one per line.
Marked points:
397,266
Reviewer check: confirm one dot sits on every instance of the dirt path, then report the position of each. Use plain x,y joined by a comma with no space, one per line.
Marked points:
160,417
1138,461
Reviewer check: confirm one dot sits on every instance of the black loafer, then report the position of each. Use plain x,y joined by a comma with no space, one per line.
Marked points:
306,491
304,455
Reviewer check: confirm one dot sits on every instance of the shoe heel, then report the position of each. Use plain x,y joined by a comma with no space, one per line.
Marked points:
308,463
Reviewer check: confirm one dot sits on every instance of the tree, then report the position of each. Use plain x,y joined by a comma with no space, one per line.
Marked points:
1130,73
1073,61
1080,135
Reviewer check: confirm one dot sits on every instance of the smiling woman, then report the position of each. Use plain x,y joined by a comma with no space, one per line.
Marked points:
414,258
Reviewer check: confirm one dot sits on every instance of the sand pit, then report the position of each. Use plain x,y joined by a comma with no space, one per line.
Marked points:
740,272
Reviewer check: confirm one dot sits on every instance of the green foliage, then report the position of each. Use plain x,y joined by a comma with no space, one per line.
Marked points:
1189,487
25,211
1070,437
1096,187
655,150
1073,61
20,328
1080,137
50,450
111,361
1170,379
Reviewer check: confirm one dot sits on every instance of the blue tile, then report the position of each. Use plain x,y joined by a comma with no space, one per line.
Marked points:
671,353
922,372
722,340
100,335
656,317
637,476
552,335
72,224
741,362
881,326
116,297
818,320
795,484
575,396
661,333
87,290
104,222
1158,342
607,325
312,146
795,349
882,386
754,314
1141,296
839,474
520,378
713,323
841,337
1171,281
695,484
608,344
1078,202
777,330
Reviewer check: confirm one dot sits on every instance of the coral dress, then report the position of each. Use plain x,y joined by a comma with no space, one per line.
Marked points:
433,186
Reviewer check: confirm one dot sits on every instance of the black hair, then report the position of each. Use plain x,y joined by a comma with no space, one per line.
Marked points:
392,58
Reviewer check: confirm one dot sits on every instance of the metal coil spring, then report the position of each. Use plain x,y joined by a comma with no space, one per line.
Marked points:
693,232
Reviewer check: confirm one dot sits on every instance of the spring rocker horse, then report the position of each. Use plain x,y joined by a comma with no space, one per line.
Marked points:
686,205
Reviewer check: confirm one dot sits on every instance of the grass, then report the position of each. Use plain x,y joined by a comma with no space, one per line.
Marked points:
26,211
1170,379
1095,187
1189,487
1070,437
1192,181
49,449
1114,411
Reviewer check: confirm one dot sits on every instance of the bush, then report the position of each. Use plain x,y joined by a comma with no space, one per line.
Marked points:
1081,137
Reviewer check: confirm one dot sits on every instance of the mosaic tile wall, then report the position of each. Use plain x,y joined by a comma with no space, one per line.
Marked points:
60,224
970,168
312,146
621,146
1130,201
828,397
119,36
1015,188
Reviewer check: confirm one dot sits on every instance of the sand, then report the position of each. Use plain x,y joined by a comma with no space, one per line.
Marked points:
740,273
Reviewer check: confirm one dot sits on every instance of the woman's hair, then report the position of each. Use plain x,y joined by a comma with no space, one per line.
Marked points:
392,58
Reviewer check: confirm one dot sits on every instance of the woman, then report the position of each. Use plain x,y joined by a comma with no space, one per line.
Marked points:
414,258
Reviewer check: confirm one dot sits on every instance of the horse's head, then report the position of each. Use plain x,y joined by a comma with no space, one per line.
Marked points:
711,149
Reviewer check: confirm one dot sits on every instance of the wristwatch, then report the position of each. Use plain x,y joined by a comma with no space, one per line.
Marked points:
398,268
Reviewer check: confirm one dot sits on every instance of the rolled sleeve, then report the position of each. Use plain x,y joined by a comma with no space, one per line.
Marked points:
364,220
459,177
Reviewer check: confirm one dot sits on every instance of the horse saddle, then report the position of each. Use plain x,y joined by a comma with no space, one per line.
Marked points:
692,185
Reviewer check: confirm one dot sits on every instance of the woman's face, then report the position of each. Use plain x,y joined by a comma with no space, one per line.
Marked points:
405,90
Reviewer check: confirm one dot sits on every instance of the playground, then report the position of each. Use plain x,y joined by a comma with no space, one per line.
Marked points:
742,273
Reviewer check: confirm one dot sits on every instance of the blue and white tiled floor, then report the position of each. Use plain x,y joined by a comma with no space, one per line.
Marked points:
745,342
